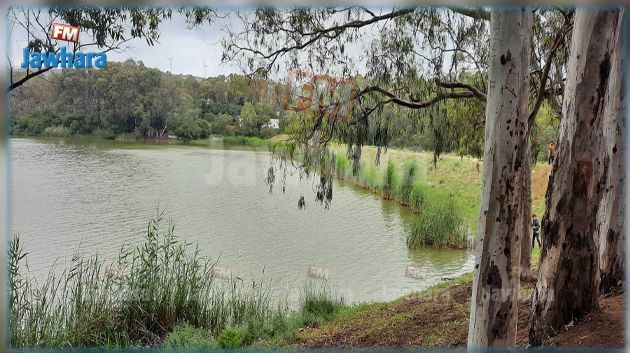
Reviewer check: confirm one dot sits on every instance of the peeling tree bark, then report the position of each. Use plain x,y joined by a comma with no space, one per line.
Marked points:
568,279
494,314
611,208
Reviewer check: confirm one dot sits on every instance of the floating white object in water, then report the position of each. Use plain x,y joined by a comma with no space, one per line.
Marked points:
318,272
221,272
415,272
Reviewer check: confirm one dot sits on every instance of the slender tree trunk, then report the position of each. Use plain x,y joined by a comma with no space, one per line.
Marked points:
526,217
493,314
610,210
568,279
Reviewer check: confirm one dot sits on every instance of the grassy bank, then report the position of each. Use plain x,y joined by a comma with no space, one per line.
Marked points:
159,292
446,195
164,294
439,317
445,211
435,317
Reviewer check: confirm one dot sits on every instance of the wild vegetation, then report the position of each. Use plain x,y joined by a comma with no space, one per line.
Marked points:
470,81
444,197
403,177
160,291
420,60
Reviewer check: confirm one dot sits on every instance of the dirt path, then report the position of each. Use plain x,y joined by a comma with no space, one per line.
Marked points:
440,318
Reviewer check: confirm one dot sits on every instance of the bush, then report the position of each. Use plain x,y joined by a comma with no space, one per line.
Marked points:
188,131
205,129
81,125
185,335
439,224
232,337
35,123
57,131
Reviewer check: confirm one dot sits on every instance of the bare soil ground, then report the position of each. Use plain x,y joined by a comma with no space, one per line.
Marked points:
440,318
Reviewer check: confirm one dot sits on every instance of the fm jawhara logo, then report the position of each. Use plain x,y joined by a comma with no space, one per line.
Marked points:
63,58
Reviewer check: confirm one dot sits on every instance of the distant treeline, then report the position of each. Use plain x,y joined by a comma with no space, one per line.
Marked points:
129,98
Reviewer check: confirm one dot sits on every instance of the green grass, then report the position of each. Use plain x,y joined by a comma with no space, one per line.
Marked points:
318,305
410,178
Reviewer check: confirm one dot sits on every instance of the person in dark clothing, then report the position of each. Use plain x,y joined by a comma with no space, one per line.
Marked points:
536,229
551,153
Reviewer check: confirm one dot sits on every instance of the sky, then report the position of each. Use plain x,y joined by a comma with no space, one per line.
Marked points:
188,48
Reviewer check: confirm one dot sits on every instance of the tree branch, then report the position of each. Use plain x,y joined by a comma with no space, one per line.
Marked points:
415,105
29,76
315,35
476,13
476,91
542,91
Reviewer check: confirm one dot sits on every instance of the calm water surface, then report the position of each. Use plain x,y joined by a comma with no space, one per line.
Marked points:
96,196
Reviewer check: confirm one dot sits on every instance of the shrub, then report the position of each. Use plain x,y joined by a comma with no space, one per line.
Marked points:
185,335
35,122
232,337
205,129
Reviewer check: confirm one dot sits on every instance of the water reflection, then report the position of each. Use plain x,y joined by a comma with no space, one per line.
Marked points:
99,195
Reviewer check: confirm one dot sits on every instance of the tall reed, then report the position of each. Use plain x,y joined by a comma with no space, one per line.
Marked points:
136,300
439,224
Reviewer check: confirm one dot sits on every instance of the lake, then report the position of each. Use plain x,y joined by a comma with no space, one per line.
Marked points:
93,197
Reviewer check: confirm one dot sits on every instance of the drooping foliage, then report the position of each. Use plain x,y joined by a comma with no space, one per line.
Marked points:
425,71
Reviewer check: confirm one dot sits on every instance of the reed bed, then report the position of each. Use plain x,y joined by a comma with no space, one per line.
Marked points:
439,220
153,294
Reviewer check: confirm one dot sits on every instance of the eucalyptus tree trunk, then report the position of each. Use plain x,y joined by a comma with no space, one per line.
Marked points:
526,216
568,279
493,314
610,209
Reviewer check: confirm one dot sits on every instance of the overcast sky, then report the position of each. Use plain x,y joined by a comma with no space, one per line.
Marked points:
188,48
